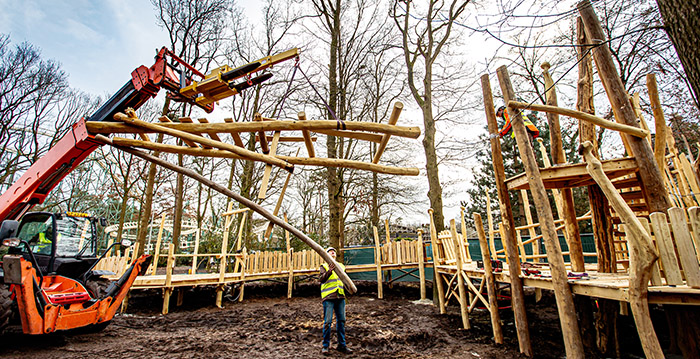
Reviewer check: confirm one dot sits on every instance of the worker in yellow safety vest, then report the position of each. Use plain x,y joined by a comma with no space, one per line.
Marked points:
333,297
529,126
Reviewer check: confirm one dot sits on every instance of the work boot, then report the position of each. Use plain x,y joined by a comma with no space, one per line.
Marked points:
344,349
325,351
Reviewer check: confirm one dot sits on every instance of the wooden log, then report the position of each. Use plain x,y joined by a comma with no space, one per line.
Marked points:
243,272
490,281
99,127
650,175
395,113
630,130
508,224
378,263
655,271
168,289
213,136
463,305
261,135
467,257
684,243
242,152
156,256
307,137
195,251
325,162
640,248
421,263
562,292
290,268
223,257
347,282
268,168
365,136
236,137
492,240
437,279
190,143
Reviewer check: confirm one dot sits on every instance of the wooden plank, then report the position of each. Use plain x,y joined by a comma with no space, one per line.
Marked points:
655,272
195,251
667,254
694,214
395,113
684,243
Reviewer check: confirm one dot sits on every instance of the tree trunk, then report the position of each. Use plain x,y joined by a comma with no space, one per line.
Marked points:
334,186
682,24
431,162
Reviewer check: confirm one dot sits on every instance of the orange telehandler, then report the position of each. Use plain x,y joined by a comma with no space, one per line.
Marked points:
47,279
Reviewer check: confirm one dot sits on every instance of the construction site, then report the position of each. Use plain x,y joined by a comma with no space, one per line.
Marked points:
577,254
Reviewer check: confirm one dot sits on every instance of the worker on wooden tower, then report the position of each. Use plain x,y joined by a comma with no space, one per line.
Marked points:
532,131
333,297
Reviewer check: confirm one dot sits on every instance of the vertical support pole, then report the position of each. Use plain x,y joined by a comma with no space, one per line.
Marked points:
559,157
378,263
463,305
437,280
421,263
156,256
290,281
196,250
168,290
659,121
490,281
243,269
466,255
492,240
565,301
223,257
390,249
508,224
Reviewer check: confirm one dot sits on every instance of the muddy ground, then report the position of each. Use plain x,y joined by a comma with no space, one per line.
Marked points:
268,325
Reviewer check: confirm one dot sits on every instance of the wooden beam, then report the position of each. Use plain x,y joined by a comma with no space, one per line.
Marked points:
268,231
349,285
395,113
261,135
98,127
562,292
213,136
287,139
165,119
220,145
307,136
236,137
301,161
421,263
290,268
365,136
508,223
189,120
630,130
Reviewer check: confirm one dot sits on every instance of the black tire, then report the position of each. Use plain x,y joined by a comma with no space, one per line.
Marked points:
97,287
7,306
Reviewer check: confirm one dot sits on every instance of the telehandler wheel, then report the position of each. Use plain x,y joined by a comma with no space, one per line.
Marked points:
7,307
97,287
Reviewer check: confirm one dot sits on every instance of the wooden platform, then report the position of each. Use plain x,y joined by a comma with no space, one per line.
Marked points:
574,175
613,286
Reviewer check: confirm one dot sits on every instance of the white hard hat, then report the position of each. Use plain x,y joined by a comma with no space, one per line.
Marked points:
331,249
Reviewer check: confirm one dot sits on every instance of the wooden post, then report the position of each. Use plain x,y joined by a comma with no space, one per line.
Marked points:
651,180
463,305
508,224
167,289
261,135
378,263
390,249
290,281
156,256
558,157
196,251
641,251
467,257
223,257
437,280
421,263
492,240
490,281
243,269
565,301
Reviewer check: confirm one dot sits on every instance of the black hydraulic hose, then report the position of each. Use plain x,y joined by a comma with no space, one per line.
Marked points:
35,263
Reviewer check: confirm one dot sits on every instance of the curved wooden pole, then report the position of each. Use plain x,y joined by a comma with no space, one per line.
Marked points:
349,285
634,131
227,127
301,161
246,154
641,250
